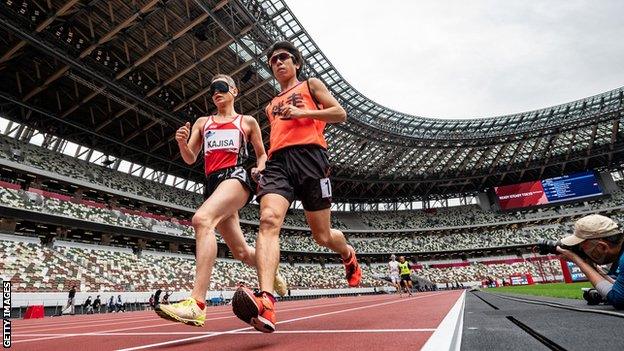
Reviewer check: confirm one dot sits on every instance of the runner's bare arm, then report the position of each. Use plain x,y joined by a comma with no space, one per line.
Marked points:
332,112
255,137
190,147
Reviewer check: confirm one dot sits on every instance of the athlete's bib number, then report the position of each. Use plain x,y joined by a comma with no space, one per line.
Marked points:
222,140
326,188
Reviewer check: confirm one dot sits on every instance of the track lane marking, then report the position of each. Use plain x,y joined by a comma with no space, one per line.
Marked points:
114,317
234,331
56,326
324,304
324,331
449,332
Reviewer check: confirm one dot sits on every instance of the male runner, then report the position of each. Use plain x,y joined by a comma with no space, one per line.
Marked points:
393,265
298,168
227,189
406,271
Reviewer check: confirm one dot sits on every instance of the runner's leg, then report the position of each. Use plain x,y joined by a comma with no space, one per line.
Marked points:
222,203
273,209
232,234
333,239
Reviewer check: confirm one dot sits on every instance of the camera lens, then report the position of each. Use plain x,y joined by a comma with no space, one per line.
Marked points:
545,246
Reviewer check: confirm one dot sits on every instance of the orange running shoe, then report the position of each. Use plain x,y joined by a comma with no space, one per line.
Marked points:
354,272
255,309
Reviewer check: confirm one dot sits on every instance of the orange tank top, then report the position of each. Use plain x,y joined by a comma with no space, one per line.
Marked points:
293,132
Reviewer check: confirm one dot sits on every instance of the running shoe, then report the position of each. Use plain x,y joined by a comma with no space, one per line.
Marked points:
354,272
255,309
279,285
187,312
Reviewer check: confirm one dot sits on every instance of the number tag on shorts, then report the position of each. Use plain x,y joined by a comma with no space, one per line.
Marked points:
326,188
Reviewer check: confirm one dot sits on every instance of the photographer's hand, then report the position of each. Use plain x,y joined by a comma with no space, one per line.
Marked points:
569,255
590,272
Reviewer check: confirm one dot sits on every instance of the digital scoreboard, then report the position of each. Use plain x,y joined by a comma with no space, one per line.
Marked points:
568,187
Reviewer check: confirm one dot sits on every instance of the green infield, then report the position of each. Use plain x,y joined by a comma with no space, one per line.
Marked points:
568,291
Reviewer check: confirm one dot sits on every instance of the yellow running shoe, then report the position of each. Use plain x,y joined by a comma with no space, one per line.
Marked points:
187,312
279,285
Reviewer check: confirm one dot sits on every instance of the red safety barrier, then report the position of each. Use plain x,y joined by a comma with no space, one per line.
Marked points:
449,265
35,311
567,275
10,185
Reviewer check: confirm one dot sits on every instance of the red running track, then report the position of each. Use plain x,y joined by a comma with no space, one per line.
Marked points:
374,322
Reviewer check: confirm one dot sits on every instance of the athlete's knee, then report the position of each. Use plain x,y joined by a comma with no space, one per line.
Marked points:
203,220
270,219
336,232
241,254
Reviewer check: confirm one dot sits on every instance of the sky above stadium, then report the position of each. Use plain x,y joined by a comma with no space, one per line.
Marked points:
478,58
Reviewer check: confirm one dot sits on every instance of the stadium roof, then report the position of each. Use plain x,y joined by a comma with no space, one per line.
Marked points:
122,76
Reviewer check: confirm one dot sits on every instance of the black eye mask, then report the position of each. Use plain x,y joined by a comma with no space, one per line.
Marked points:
219,86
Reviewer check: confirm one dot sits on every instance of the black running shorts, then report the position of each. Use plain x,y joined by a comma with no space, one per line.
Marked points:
215,178
301,173
406,278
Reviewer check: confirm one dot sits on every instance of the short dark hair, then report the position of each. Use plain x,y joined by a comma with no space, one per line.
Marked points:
288,46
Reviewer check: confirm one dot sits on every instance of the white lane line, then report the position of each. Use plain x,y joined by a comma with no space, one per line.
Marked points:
176,323
115,317
56,321
84,320
340,331
87,334
326,331
449,333
233,331
61,326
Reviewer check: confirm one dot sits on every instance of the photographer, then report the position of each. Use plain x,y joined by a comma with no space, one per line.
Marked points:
87,307
600,239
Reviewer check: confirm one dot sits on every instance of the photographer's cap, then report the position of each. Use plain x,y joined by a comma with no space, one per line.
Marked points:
591,227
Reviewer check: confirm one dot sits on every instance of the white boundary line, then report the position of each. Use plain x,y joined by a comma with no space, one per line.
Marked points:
60,336
84,320
325,331
60,326
449,333
68,320
233,331
87,334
